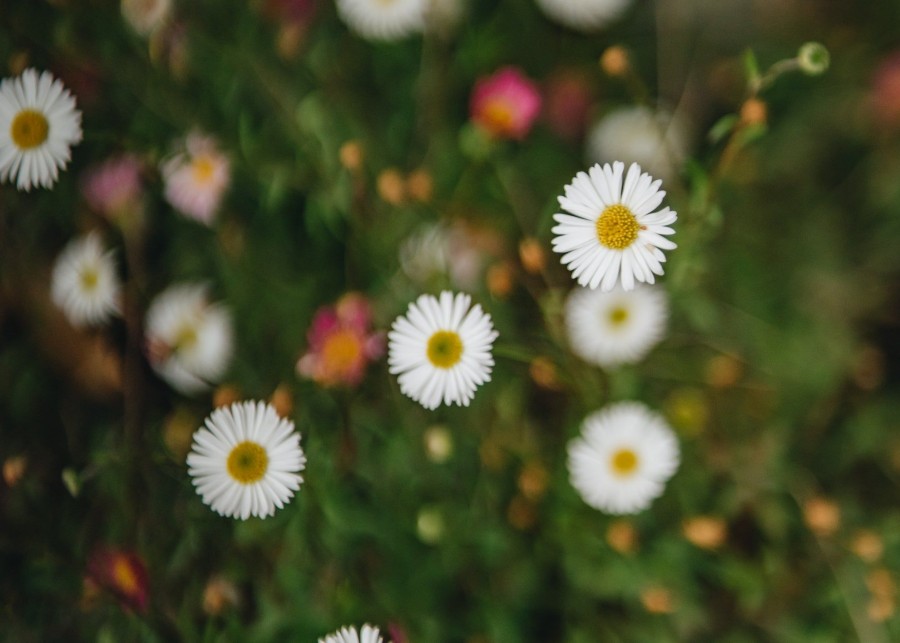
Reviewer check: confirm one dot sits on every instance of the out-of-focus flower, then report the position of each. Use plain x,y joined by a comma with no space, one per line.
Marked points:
868,545
367,634
39,123
441,349
505,104
391,186
196,178
613,234
351,155
13,469
341,343
657,600
383,19
189,340
885,97
622,536
456,250
420,185
500,279
113,187
754,112
430,525
567,101
656,141
246,461
282,400
706,532
544,373
615,61
583,15
122,573
822,516
219,595
532,255
145,16
616,327
84,284
623,458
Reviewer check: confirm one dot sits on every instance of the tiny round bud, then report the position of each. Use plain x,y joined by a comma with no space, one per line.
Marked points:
813,58
543,372
420,185
621,536
438,444
13,470
219,595
724,371
430,526
867,545
706,532
822,516
657,600
226,395
282,400
532,255
533,481
754,112
614,61
391,186
500,279
351,155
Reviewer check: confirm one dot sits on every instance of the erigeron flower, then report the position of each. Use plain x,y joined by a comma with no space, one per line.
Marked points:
616,327
623,458
655,140
441,349
145,15
122,573
383,19
84,284
38,125
189,340
505,104
246,460
341,343
456,250
367,634
583,15
613,234
196,178
114,186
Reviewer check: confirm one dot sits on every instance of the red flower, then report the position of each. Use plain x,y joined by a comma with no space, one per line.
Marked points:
505,104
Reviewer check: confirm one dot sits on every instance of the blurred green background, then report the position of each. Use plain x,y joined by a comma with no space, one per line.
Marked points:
780,371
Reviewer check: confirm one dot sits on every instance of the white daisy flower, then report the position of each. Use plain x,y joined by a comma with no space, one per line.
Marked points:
38,125
189,340
383,19
616,327
656,141
196,179
246,461
612,229
583,15
368,634
441,349
623,458
85,285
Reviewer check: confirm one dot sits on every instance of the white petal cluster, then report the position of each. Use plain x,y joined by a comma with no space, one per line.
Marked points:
85,284
383,19
367,634
583,15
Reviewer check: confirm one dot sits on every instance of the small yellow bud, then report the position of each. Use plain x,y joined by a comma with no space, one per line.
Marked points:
614,61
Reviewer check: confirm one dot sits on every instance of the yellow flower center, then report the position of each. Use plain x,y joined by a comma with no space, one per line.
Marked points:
89,279
124,577
29,129
617,227
248,462
185,338
203,167
618,316
444,348
341,350
498,116
624,462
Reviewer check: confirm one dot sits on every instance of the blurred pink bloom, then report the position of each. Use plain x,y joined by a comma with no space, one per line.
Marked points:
886,91
505,104
196,178
341,343
568,98
123,573
113,186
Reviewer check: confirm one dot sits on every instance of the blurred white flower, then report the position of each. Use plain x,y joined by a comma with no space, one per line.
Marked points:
623,458
656,141
616,327
189,340
443,249
38,124
444,16
246,461
368,634
441,350
84,284
196,178
383,19
613,234
145,15
583,15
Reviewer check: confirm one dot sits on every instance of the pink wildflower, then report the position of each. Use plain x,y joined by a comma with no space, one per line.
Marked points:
886,91
341,343
114,186
505,104
123,573
197,178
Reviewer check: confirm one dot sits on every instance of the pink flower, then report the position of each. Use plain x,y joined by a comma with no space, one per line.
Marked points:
196,179
122,573
886,91
505,104
114,186
340,343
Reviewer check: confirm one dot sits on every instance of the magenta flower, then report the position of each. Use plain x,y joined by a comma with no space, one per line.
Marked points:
505,104
341,343
114,186
196,179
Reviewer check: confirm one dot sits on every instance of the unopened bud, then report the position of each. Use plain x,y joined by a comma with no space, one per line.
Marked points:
813,58
532,255
420,185
754,112
391,186
351,155
614,61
